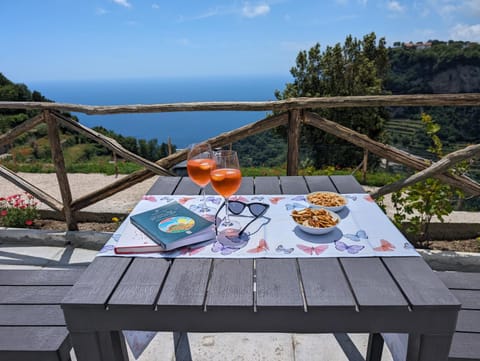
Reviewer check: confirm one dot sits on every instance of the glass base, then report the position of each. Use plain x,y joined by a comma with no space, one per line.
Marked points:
229,237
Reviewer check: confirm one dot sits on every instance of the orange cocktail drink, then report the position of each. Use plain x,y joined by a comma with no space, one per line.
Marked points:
199,170
226,181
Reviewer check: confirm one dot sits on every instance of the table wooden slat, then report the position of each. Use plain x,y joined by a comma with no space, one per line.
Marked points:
39,339
187,187
32,294
460,280
324,283
420,285
293,185
231,283
186,283
43,278
142,282
378,289
468,298
164,185
278,283
468,321
346,184
317,184
246,187
31,315
98,281
465,346
267,185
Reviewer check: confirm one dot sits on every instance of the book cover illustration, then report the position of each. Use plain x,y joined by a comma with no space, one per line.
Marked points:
173,225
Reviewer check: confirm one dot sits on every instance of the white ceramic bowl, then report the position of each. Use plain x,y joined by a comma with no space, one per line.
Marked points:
319,230
338,208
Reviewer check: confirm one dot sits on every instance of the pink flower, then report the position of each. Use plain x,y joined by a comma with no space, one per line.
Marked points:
3,212
28,222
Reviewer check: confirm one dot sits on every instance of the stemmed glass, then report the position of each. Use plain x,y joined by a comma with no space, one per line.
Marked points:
200,162
226,179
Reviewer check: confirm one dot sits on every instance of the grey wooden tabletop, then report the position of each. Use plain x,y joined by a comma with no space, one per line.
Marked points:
322,295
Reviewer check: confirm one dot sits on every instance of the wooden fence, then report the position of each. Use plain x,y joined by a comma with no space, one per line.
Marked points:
292,113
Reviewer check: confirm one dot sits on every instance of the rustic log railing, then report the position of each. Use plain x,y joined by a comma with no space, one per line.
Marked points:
292,113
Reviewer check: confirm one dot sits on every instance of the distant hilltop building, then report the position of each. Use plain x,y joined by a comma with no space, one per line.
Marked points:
417,45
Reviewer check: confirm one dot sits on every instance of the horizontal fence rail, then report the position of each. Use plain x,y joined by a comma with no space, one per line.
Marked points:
291,113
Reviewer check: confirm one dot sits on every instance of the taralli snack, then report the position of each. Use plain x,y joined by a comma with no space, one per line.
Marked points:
326,199
318,218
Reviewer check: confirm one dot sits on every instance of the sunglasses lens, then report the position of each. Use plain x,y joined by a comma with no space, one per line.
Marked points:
236,207
257,209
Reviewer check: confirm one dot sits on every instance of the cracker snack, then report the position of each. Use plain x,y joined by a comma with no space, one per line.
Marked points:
317,218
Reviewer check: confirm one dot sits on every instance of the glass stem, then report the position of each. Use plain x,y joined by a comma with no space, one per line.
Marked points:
227,219
204,208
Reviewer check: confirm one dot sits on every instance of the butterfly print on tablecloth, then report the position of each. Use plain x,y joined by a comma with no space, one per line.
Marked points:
214,200
385,246
357,237
290,206
224,250
282,249
262,247
149,198
352,249
408,245
299,198
275,200
238,198
312,250
184,200
258,198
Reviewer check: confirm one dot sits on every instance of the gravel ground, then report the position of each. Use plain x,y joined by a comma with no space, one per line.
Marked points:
82,184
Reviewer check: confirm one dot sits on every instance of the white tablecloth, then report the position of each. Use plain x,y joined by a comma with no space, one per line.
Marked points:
364,231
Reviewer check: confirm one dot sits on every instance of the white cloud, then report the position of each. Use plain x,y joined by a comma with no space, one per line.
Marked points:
473,7
341,2
124,3
155,6
363,2
465,32
250,11
395,6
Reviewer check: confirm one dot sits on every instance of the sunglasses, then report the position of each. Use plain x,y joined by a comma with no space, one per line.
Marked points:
237,207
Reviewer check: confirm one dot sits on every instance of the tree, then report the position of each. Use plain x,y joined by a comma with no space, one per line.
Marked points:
359,67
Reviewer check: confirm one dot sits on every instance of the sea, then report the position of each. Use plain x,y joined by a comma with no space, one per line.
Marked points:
182,128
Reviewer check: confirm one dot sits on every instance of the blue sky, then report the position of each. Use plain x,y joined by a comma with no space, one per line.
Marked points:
105,39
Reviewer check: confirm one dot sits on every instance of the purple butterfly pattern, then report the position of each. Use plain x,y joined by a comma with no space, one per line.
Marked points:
357,237
352,249
299,198
224,250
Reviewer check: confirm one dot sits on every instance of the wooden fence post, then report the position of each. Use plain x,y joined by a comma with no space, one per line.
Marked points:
59,163
295,118
364,166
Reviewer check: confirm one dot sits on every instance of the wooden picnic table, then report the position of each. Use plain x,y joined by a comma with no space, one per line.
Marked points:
315,295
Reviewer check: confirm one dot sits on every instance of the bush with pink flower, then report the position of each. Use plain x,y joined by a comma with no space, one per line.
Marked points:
18,210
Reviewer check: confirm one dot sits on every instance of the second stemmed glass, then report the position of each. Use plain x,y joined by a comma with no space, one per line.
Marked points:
226,180
199,164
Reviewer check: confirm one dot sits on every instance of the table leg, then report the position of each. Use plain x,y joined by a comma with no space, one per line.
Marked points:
435,347
375,347
99,346
182,346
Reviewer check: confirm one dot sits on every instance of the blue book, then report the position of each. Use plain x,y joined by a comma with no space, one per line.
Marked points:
173,225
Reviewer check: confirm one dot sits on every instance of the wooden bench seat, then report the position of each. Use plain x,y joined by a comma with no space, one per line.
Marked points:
466,341
32,326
